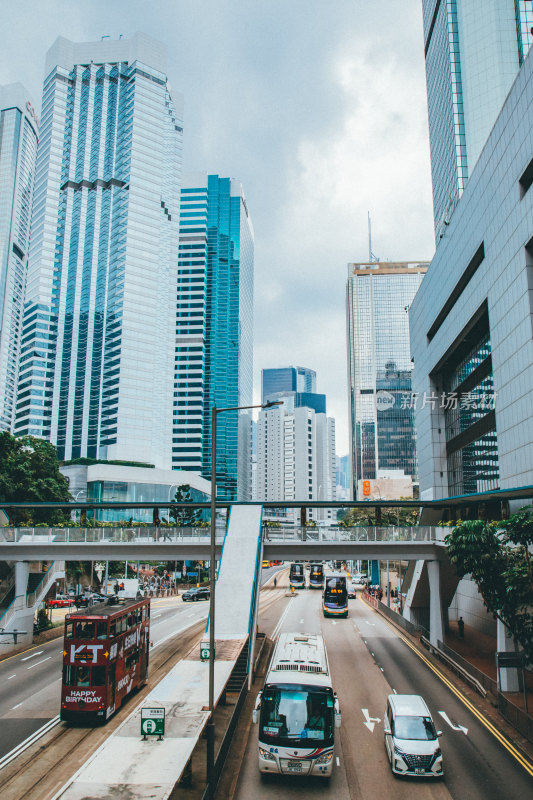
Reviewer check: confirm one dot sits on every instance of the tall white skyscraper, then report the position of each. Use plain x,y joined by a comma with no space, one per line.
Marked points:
97,359
19,128
296,456
473,53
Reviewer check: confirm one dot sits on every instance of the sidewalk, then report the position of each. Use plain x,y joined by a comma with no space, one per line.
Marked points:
479,649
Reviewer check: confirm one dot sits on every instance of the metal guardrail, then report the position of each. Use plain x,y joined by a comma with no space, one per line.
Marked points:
187,534
513,714
488,683
465,674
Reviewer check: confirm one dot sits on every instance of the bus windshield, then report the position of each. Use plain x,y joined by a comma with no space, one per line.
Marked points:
335,592
297,570
295,715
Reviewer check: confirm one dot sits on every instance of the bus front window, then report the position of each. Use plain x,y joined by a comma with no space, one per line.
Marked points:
295,715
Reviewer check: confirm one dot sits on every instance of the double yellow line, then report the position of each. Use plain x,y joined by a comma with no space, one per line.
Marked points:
504,741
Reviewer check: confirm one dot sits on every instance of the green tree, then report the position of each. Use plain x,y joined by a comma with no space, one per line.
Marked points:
497,555
29,471
184,517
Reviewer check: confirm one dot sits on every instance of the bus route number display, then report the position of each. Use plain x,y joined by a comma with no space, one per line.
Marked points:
153,722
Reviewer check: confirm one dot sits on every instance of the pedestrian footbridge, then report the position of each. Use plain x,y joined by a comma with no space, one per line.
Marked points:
285,543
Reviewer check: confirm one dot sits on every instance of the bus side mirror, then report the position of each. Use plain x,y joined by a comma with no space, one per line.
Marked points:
338,716
255,712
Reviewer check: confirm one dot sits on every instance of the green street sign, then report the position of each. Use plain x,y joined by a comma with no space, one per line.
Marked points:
152,722
204,651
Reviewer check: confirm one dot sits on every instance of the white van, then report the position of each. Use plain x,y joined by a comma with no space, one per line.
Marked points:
411,740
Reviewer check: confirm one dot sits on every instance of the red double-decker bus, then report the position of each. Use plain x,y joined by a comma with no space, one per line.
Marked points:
105,657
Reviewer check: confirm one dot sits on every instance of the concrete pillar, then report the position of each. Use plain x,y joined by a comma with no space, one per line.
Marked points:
509,679
22,569
436,628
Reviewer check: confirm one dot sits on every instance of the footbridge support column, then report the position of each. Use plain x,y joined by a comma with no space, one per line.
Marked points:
508,676
436,627
22,570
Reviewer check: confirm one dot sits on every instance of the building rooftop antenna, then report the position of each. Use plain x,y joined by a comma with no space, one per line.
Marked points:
372,257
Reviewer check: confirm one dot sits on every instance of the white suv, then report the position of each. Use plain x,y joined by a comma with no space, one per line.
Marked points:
411,740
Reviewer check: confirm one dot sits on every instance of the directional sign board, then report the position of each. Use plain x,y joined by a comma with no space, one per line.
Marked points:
204,651
153,721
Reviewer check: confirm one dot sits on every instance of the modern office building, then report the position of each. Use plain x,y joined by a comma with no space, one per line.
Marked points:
214,332
97,355
287,379
378,297
296,456
116,483
473,53
471,334
19,132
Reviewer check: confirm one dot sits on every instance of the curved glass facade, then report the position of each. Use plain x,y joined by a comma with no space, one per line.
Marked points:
97,366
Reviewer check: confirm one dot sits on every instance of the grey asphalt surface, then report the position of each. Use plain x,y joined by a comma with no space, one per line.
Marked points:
30,682
368,661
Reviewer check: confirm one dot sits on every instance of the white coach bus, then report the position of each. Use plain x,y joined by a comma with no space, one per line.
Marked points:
297,710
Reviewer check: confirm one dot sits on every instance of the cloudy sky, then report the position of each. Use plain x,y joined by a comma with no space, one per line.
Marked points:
317,106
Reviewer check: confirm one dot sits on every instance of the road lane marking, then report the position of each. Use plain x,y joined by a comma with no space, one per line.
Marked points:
281,620
301,622
36,664
4,761
338,762
12,676
370,722
17,706
446,718
158,615
33,655
503,740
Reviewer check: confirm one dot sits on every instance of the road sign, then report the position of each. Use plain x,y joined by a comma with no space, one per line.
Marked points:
153,722
192,574
204,651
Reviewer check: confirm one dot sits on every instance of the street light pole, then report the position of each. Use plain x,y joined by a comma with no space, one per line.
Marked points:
210,728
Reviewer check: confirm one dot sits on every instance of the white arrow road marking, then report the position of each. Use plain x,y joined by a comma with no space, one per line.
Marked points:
446,718
370,721
39,653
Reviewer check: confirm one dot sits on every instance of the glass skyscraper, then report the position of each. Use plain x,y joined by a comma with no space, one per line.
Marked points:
214,332
473,52
287,379
96,365
379,367
19,129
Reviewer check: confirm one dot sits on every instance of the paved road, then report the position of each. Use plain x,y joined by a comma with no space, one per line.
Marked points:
368,661
30,682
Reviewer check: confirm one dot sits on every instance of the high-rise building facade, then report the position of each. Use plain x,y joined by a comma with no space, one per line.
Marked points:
287,379
214,332
473,52
96,365
471,335
19,129
379,367
296,457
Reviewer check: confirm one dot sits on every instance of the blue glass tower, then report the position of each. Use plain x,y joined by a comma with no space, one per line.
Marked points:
96,366
18,149
214,330
473,52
